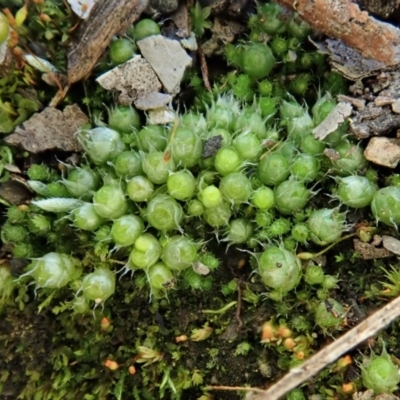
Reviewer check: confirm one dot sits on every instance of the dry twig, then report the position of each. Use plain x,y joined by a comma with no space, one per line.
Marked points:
295,377
204,68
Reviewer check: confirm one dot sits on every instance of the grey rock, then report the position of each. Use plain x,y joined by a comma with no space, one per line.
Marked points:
152,101
167,58
133,79
160,116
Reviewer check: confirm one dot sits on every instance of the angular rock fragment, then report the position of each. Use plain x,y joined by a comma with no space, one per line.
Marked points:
168,59
383,151
50,129
135,78
152,101
160,116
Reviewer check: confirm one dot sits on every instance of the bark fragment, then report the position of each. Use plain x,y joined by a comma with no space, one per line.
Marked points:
344,20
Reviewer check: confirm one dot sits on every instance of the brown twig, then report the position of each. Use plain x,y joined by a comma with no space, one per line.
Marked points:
241,388
204,67
343,19
239,305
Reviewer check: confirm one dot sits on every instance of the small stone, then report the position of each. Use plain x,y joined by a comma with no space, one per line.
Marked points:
167,58
160,116
383,151
152,101
391,244
134,79
211,146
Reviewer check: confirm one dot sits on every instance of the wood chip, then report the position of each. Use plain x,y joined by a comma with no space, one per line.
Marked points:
50,129
333,120
107,18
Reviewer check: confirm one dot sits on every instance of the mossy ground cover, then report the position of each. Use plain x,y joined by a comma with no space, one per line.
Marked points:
225,316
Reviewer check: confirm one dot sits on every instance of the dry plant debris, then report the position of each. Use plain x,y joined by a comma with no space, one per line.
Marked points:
296,376
49,130
333,120
369,251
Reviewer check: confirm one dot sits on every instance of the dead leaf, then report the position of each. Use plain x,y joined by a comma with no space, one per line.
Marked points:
50,129
12,168
106,19
15,191
134,79
181,19
333,120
